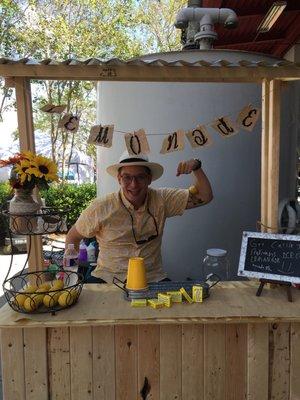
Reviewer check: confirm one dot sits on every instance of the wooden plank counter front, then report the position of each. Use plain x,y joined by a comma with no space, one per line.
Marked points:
233,346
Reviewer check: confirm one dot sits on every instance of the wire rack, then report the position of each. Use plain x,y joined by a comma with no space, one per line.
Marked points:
47,220
42,291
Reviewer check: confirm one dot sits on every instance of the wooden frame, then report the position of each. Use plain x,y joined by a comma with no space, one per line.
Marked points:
270,76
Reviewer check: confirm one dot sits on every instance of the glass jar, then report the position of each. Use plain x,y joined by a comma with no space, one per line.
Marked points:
216,262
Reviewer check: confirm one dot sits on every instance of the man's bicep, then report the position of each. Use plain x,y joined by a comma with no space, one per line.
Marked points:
194,201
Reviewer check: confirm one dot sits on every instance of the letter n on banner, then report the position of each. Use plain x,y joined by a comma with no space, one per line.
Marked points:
199,137
137,143
248,117
225,126
173,142
101,135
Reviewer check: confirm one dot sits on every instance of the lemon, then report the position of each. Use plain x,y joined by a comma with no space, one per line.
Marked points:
45,285
30,289
30,304
57,284
65,299
19,300
50,300
74,294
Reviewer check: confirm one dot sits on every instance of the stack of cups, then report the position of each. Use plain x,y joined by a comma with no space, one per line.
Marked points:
136,274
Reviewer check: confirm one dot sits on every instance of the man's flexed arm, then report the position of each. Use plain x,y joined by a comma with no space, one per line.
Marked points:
201,192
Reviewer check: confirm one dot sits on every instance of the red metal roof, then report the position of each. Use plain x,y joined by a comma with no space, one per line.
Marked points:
282,36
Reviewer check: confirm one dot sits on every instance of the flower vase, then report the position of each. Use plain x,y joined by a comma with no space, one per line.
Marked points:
21,207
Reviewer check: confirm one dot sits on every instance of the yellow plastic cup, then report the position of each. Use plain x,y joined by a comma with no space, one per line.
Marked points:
136,274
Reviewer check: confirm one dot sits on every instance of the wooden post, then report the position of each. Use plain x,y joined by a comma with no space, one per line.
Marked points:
273,157
264,154
26,134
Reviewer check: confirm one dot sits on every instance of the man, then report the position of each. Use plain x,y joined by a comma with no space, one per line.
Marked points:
130,223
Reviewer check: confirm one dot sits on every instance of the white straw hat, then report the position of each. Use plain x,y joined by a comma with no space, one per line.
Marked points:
139,160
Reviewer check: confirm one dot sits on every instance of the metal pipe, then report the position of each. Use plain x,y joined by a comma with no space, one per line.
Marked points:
224,16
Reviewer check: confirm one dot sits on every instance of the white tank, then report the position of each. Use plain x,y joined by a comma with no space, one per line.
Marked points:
232,164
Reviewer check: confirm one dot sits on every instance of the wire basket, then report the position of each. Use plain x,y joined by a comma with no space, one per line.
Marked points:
47,220
36,293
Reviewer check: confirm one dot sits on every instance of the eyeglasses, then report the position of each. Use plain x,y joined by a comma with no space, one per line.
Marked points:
143,241
140,179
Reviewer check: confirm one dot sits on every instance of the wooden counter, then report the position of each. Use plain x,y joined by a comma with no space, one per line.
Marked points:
233,346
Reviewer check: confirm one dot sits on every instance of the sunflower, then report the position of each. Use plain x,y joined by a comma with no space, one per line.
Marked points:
42,167
28,155
22,170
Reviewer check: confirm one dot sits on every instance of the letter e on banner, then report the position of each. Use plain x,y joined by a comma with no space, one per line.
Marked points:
101,135
225,126
69,123
137,143
199,137
248,117
173,142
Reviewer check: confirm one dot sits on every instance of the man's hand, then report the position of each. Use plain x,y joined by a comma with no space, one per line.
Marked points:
186,167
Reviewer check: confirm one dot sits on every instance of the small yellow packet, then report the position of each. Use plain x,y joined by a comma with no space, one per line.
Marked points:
155,303
176,296
197,294
165,298
138,302
186,295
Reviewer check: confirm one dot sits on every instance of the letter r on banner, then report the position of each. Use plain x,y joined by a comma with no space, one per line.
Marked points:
173,142
101,135
136,143
248,117
199,137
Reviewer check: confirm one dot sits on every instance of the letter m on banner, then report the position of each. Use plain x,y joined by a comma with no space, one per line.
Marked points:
101,135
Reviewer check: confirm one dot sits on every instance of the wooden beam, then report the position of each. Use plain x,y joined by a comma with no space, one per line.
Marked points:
273,155
26,136
264,154
152,73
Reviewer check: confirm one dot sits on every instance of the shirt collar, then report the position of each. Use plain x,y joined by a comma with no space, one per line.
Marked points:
130,206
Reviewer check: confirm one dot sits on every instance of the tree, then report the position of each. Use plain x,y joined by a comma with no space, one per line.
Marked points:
82,29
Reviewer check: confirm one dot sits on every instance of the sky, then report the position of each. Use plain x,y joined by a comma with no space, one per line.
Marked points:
8,126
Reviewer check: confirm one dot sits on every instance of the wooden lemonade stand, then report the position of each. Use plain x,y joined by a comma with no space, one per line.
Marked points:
234,346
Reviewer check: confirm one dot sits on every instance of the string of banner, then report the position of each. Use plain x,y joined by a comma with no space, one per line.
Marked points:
136,142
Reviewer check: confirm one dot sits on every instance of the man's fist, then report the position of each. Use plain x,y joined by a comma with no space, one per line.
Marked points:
186,167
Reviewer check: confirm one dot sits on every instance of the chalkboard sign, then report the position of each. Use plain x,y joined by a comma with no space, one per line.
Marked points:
270,256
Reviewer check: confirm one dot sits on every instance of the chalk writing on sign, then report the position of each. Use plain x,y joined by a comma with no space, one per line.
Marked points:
270,256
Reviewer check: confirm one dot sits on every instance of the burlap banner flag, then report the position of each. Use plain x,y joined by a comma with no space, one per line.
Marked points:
225,126
69,123
199,137
53,109
101,135
137,143
248,117
173,142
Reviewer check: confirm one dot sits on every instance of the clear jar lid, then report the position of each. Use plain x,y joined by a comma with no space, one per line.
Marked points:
216,252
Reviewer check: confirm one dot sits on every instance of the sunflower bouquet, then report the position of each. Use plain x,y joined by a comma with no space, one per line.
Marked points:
30,170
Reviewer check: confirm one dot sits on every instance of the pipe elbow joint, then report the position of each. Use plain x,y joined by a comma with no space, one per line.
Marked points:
229,18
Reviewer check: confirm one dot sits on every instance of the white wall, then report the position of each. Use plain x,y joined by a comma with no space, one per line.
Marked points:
232,164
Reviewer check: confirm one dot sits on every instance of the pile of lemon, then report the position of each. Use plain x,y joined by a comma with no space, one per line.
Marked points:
49,294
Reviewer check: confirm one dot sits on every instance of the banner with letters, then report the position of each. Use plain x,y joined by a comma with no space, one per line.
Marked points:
136,142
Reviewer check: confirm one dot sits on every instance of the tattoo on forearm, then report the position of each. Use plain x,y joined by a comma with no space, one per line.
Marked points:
194,201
